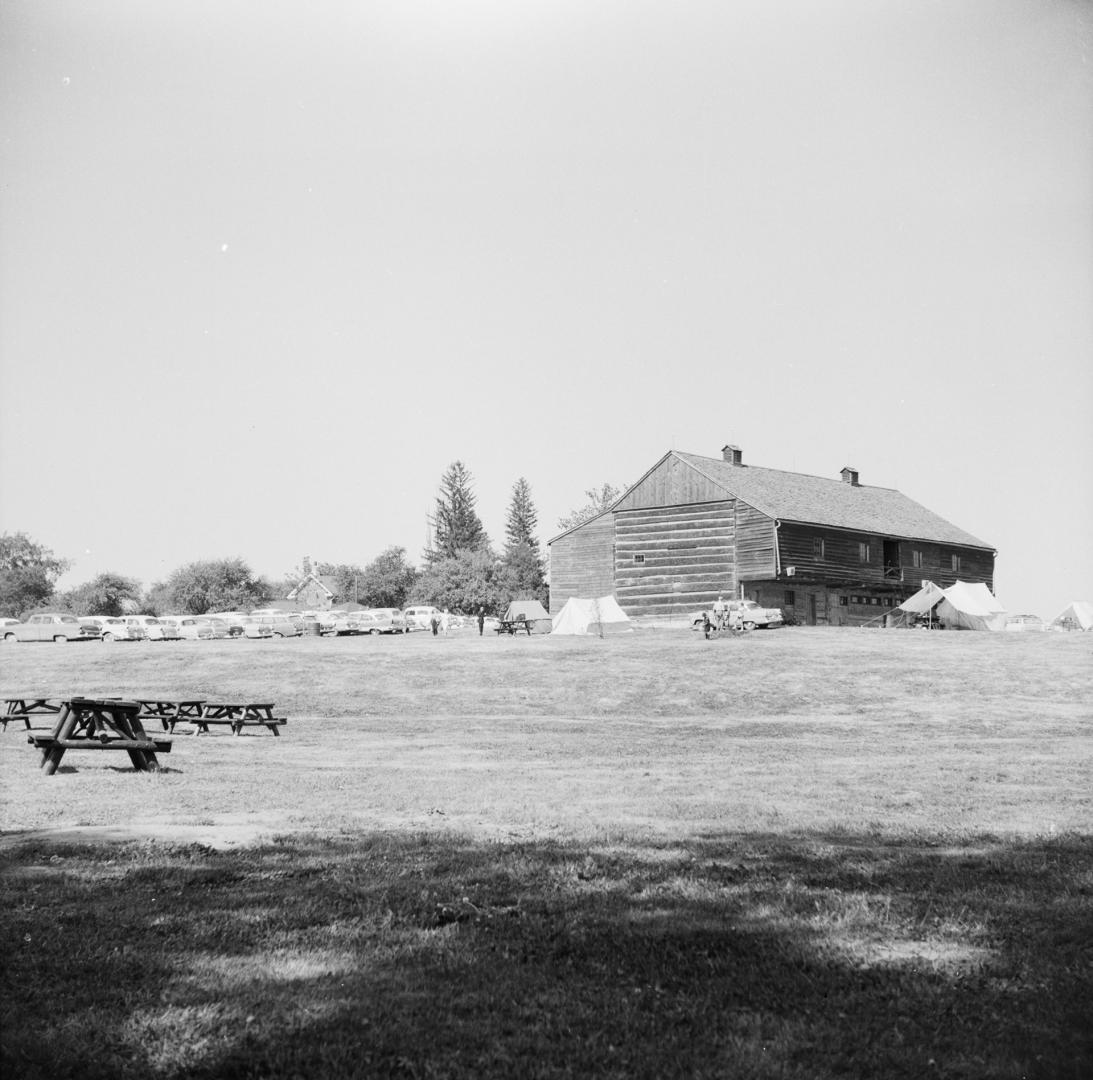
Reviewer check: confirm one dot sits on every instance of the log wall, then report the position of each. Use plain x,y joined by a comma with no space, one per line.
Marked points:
582,563
674,560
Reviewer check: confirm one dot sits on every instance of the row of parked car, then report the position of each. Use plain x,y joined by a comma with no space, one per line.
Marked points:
267,623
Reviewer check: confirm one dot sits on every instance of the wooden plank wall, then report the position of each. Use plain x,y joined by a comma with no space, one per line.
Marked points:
754,544
671,483
582,563
688,557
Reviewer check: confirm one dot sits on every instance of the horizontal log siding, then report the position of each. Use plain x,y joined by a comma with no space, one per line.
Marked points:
754,544
840,562
582,563
671,483
975,564
689,557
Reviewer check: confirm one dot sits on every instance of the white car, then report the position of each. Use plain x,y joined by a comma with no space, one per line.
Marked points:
420,617
190,627
220,628
50,626
156,629
751,615
385,620
338,623
112,628
254,626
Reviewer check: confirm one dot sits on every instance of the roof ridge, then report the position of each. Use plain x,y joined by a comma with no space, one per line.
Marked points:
789,472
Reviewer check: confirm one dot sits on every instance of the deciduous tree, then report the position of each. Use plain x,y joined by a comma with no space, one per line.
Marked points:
28,573
462,583
388,579
213,585
107,594
599,499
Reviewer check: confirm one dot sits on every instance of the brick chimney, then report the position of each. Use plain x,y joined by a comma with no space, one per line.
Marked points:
850,476
732,454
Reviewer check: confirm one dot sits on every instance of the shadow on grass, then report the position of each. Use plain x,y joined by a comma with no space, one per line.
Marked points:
730,955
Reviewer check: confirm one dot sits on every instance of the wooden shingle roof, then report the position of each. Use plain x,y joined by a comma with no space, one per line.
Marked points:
816,500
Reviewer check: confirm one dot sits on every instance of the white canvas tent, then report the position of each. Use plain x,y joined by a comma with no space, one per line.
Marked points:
602,616
1078,616
533,612
963,606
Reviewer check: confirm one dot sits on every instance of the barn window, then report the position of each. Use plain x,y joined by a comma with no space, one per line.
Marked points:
844,601
956,564
916,558
863,552
790,598
818,547
639,559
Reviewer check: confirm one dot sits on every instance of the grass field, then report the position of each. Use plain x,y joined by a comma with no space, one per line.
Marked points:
803,853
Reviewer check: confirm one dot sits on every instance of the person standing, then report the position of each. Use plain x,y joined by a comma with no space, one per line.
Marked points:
445,620
720,611
434,622
481,620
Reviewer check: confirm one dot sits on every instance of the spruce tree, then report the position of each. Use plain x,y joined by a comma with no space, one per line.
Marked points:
456,525
522,519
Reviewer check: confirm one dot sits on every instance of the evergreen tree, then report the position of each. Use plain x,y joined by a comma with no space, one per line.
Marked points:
523,574
522,519
457,526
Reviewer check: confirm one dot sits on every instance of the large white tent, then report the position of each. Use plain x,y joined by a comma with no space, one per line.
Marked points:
1078,616
963,606
602,616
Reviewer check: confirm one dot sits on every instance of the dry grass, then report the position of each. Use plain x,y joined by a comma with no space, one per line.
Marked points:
803,853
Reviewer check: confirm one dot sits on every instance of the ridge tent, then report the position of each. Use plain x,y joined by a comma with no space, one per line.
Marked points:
971,606
1079,616
602,616
963,606
533,612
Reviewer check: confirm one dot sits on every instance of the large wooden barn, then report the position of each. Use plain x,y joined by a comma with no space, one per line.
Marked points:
827,551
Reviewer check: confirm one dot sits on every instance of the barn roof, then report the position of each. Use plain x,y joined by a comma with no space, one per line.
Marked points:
837,504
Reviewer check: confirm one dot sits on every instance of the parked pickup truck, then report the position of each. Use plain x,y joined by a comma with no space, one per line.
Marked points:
751,615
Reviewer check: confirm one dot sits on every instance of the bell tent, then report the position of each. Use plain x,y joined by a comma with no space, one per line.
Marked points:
602,616
963,606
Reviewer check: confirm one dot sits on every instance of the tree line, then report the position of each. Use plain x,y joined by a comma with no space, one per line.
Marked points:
461,569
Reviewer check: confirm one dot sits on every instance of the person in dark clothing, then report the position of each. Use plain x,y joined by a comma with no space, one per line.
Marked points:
481,620
707,626
434,622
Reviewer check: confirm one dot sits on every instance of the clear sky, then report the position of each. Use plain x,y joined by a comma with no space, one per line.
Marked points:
267,268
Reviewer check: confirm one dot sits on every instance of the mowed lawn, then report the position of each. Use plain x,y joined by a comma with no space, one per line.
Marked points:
802,853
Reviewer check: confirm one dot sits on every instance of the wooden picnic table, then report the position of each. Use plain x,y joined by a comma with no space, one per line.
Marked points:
26,708
512,626
238,715
169,713
100,724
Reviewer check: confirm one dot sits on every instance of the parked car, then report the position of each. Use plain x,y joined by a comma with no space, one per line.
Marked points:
234,620
51,626
419,616
281,625
254,627
221,628
156,629
5,623
337,623
385,620
189,627
751,615
111,628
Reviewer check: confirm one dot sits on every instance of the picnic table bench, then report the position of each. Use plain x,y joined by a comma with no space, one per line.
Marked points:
238,715
513,626
169,713
99,724
27,709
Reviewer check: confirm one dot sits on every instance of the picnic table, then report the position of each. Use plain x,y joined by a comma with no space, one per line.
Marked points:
99,724
169,713
238,715
512,626
28,708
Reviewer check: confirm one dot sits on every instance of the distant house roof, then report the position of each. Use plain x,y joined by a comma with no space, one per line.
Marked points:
835,503
326,582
